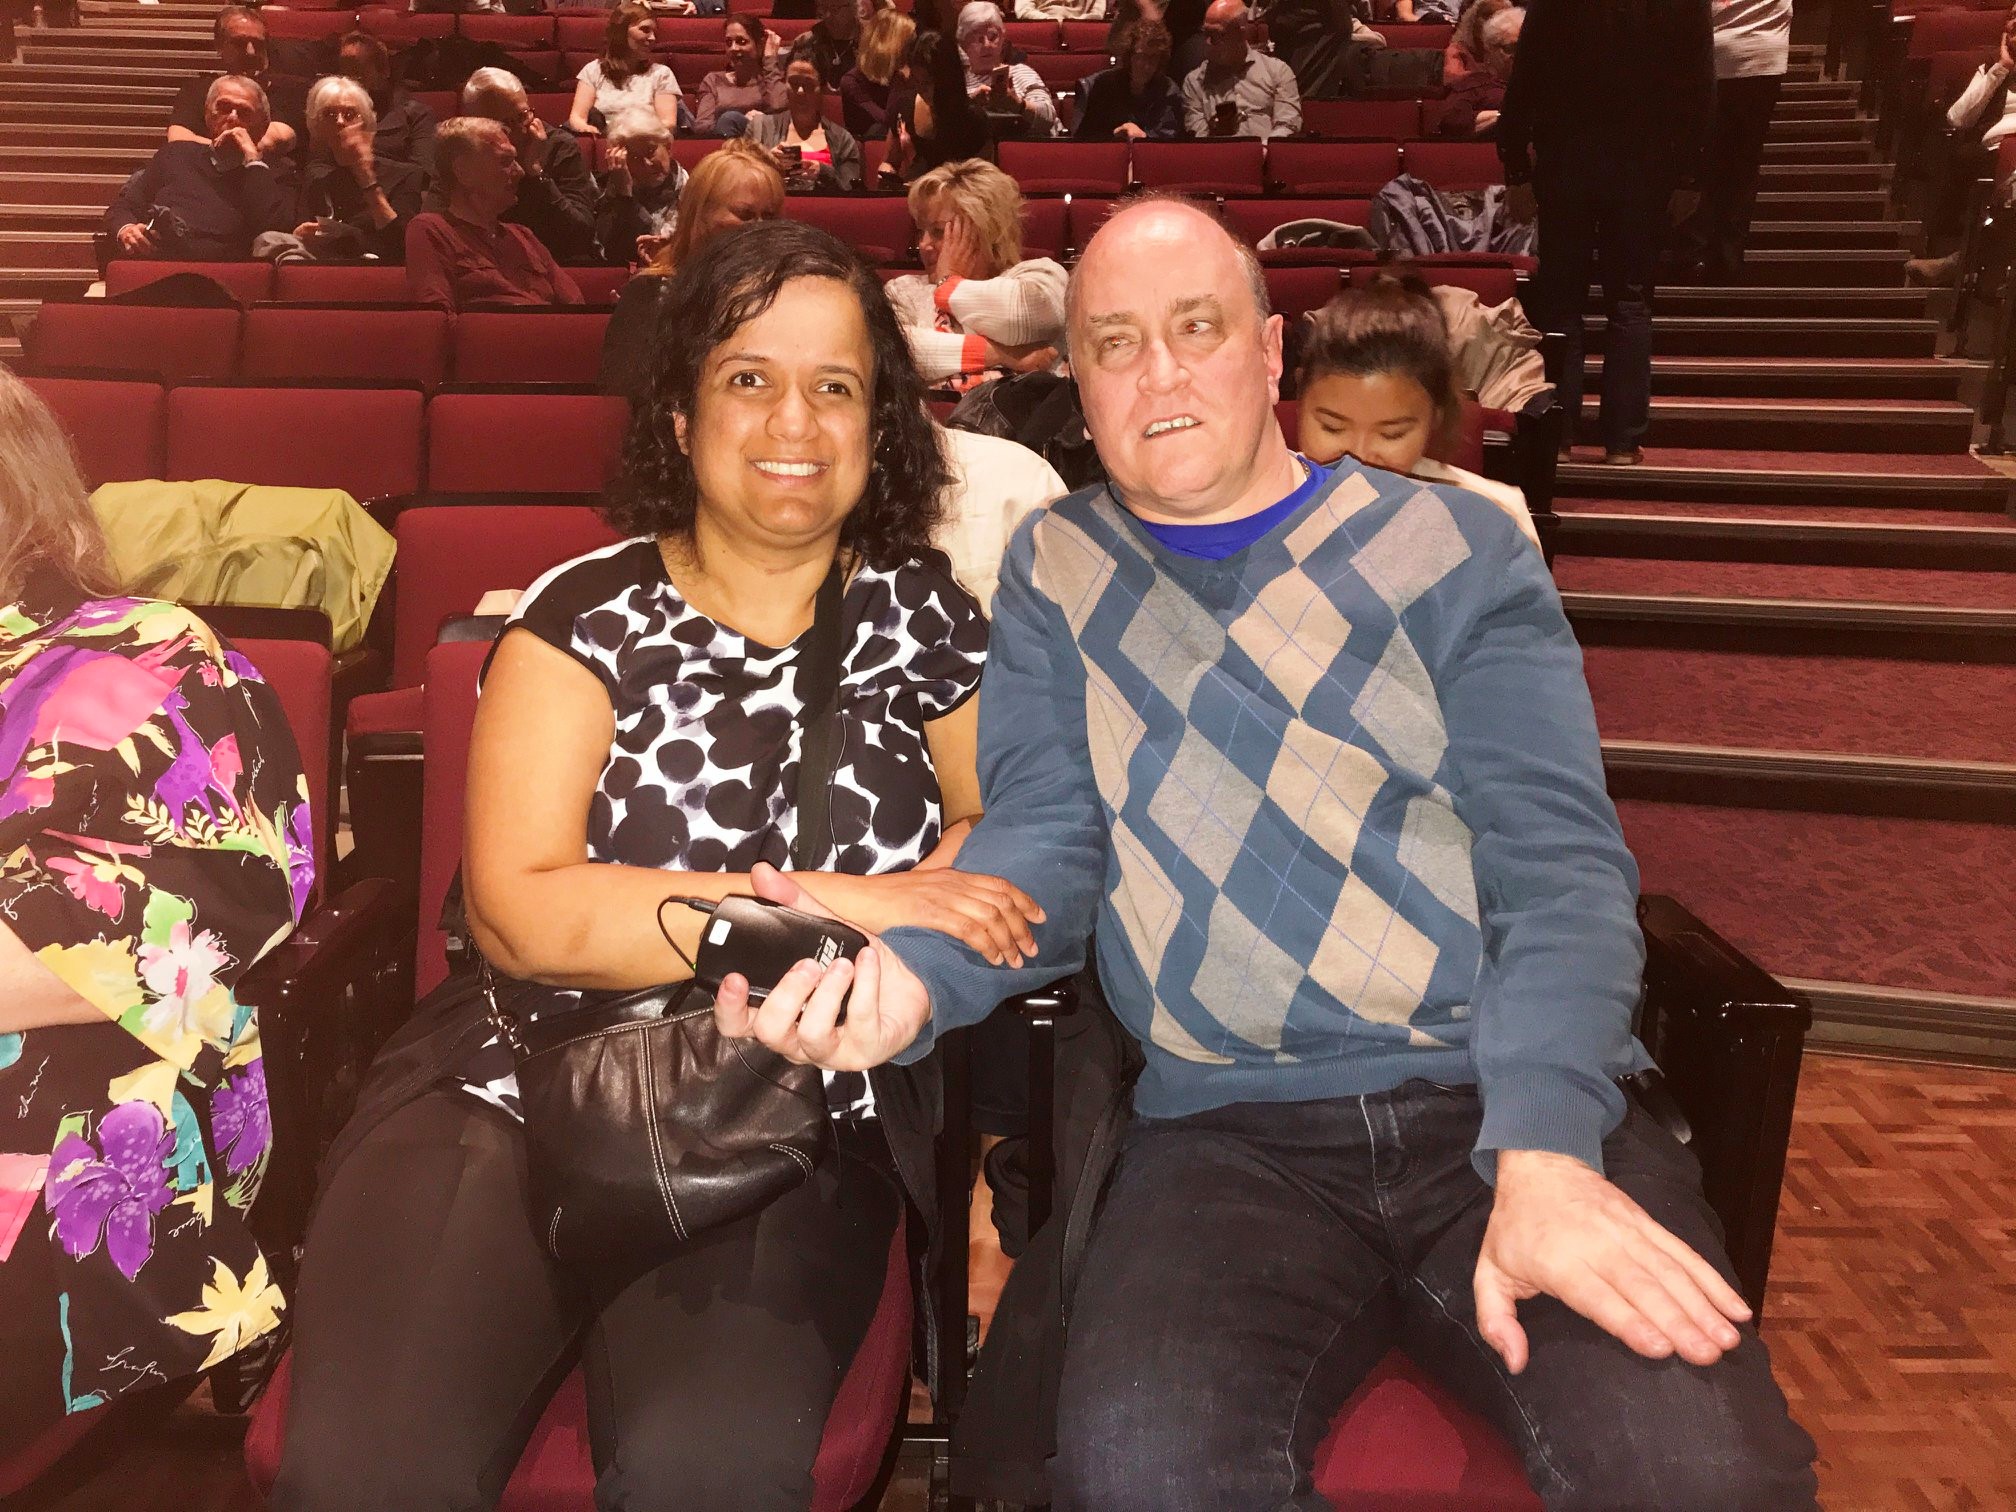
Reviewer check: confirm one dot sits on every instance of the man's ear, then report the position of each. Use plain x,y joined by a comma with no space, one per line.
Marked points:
1270,343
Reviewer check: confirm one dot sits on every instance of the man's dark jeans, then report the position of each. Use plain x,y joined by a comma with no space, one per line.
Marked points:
1601,214
1252,1263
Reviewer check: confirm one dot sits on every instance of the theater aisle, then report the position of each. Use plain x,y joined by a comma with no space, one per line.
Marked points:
1799,614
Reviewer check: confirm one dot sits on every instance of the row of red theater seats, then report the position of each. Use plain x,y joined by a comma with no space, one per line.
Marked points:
372,442
404,344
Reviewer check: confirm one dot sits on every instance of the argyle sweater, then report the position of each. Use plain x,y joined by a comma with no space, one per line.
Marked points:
1334,806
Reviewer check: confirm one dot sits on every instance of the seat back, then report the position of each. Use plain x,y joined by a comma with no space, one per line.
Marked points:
245,281
1060,71
1066,167
451,555
120,429
1454,165
524,443
1975,31
1044,233
157,341
1252,219
308,25
1232,167
599,285
298,341
365,441
1294,292
877,226
1333,167
526,33
529,346
1491,283
339,283
399,28
1391,120
448,710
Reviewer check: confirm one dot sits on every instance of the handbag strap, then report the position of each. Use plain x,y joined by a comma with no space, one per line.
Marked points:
819,690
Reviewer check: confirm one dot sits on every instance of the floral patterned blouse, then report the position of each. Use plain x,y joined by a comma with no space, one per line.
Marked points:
155,842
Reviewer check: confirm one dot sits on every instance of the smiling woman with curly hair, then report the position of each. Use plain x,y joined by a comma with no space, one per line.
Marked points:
639,737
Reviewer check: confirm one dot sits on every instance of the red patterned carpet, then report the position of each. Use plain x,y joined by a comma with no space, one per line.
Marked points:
1869,585
1890,902
1743,510
1860,705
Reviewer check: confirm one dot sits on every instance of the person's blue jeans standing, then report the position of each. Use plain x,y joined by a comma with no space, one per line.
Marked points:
1601,213
1251,1264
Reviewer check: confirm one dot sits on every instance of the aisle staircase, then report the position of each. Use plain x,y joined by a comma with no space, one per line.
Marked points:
1799,614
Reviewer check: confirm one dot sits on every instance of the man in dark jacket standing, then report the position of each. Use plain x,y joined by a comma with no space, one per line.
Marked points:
1603,127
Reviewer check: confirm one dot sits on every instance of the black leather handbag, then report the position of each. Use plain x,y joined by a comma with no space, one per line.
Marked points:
644,1124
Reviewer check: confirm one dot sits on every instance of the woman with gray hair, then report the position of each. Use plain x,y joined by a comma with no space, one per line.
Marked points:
1017,102
353,204
640,188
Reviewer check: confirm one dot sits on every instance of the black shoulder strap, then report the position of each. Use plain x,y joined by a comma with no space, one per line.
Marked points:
819,687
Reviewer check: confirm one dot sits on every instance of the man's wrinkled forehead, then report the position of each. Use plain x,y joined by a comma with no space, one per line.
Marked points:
1128,280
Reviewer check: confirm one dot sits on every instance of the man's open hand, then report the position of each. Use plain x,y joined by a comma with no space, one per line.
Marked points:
886,1006
1559,1229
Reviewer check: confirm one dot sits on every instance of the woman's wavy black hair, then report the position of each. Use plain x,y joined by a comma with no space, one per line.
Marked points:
708,300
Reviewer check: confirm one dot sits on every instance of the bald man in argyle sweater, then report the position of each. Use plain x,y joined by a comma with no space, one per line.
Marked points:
1312,751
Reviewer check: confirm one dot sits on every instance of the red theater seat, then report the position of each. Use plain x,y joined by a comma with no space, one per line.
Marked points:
1294,292
121,429
552,105
1254,218
1033,36
340,283
689,34
523,32
687,151
1492,283
1066,167
599,283
1083,36
1066,70
1088,213
529,346
1454,165
579,33
365,441
158,341
1044,233
1402,1442
302,341
1333,167
524,443
398,28
246,281
293,25
878,226
1394,120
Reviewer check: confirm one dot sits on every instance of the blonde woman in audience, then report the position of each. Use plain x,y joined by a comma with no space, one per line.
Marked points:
730,187
978,309
468,253
625,77
868,89
1378,384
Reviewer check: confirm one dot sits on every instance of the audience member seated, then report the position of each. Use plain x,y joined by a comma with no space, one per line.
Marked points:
1378,383
730,187
1323,43
752,80
470,253
625,77
934,120
242,47
812,151
996,483
1135,99
556,202
977,310
405,131
640,188
1467,50
205,198
834,40
1471,106
1016,100
1409,12
610,769
1186,40
155,842
1060,10
868,91
1976,122
1239,91
353,203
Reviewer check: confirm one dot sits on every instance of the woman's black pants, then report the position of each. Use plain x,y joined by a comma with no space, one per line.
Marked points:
431,1329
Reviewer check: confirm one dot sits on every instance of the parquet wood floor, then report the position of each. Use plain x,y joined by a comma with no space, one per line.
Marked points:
1892,1317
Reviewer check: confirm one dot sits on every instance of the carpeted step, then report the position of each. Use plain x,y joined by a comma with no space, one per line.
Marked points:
174,55
1852,150
109,79
1791,109
1786,177
45,282
56,116
1872,510
1767,267
1841,425
1815,378
68,159
1792,302
1904,903
46,249
1763,336
50,217
1865,705
55,141
24,94
1840,129
1803,202
1753,537
1933,480
1740,579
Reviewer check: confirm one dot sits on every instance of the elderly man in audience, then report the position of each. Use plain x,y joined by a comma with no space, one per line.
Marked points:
405,129
207,197
1239,91
1308,752
470,253
556,201
1016,100
1470,109
640,188
354,203
243,50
